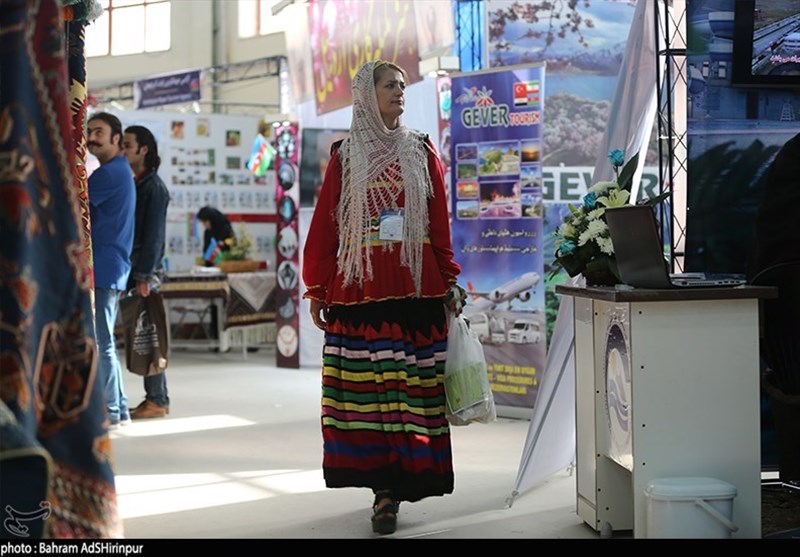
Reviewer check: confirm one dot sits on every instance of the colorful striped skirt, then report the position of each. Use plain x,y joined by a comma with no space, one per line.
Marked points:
383,405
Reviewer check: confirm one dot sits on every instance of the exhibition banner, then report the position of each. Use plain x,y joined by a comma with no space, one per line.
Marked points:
496,130
345,34
167,89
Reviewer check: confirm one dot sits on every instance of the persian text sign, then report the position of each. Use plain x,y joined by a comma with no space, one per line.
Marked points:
345,34
167,89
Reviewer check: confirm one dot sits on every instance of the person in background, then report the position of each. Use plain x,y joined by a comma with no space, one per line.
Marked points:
776,227
218,235
147,255
380,275
218,229
112,199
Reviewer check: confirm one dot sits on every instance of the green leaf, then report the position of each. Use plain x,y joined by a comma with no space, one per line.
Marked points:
653,201
603,265
570,263
555,271
625,179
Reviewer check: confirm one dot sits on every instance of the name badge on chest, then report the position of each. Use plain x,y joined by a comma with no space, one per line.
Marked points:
391,229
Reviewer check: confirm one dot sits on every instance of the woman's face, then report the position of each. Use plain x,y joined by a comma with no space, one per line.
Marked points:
390,89
206,224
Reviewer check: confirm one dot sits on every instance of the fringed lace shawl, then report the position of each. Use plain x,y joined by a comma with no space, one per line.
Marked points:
377,164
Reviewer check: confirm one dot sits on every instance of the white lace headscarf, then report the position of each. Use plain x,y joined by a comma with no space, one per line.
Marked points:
373,154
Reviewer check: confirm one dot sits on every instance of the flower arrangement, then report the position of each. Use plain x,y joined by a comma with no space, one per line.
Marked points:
583,242
236,259
239,248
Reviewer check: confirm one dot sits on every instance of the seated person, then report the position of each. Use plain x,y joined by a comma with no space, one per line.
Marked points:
217,236
218,229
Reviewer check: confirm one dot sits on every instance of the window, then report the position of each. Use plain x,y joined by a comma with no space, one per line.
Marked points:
255,18
129,27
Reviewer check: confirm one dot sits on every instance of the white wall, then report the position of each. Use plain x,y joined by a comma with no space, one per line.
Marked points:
191,47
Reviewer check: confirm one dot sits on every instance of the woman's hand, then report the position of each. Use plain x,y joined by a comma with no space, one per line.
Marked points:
455,299
319,314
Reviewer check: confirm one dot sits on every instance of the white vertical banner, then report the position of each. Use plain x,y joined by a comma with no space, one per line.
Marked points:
312,338
550,445
633,108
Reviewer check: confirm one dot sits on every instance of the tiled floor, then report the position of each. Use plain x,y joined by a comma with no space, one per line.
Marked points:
239,457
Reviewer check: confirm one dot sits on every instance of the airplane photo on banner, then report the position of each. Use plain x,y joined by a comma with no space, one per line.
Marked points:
515,289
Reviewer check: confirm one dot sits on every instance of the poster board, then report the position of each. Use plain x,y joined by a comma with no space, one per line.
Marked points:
203,162
497,222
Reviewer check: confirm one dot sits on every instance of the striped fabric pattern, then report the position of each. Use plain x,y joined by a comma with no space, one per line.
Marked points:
383,405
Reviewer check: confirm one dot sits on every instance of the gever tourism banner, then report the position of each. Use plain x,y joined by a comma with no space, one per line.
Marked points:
496,201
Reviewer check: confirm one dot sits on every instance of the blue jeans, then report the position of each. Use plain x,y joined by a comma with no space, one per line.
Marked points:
155,389
106,302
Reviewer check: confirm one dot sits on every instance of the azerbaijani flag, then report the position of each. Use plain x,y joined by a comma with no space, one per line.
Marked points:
213,253
261,156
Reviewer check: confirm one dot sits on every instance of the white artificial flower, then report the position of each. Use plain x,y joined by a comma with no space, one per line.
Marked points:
605,245
597,227
602,187
595,214
615,198
566,229
594,230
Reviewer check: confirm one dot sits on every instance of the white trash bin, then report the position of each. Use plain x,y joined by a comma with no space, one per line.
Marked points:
690,508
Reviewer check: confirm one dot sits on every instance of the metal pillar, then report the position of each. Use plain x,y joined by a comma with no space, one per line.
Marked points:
671,68
469,15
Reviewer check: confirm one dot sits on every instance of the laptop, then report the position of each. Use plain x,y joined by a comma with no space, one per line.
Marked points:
640,255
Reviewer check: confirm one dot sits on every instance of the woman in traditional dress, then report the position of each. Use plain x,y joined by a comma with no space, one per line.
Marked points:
380,275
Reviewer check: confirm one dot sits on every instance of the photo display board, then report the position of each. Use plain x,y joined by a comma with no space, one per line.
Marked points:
204,162
287,177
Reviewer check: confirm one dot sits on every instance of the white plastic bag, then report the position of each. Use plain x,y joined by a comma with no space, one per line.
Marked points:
466,383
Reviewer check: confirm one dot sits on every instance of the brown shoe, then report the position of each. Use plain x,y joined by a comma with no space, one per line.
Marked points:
145,402
148,410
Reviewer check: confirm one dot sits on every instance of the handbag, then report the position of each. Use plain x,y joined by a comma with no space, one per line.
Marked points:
467,390
145,334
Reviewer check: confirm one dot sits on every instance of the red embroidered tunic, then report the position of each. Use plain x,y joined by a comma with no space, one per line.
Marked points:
390,279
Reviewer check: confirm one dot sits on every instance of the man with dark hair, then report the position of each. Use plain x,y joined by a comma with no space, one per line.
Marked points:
147,255
112,197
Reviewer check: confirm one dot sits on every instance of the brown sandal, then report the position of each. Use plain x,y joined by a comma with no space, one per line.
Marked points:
384,513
